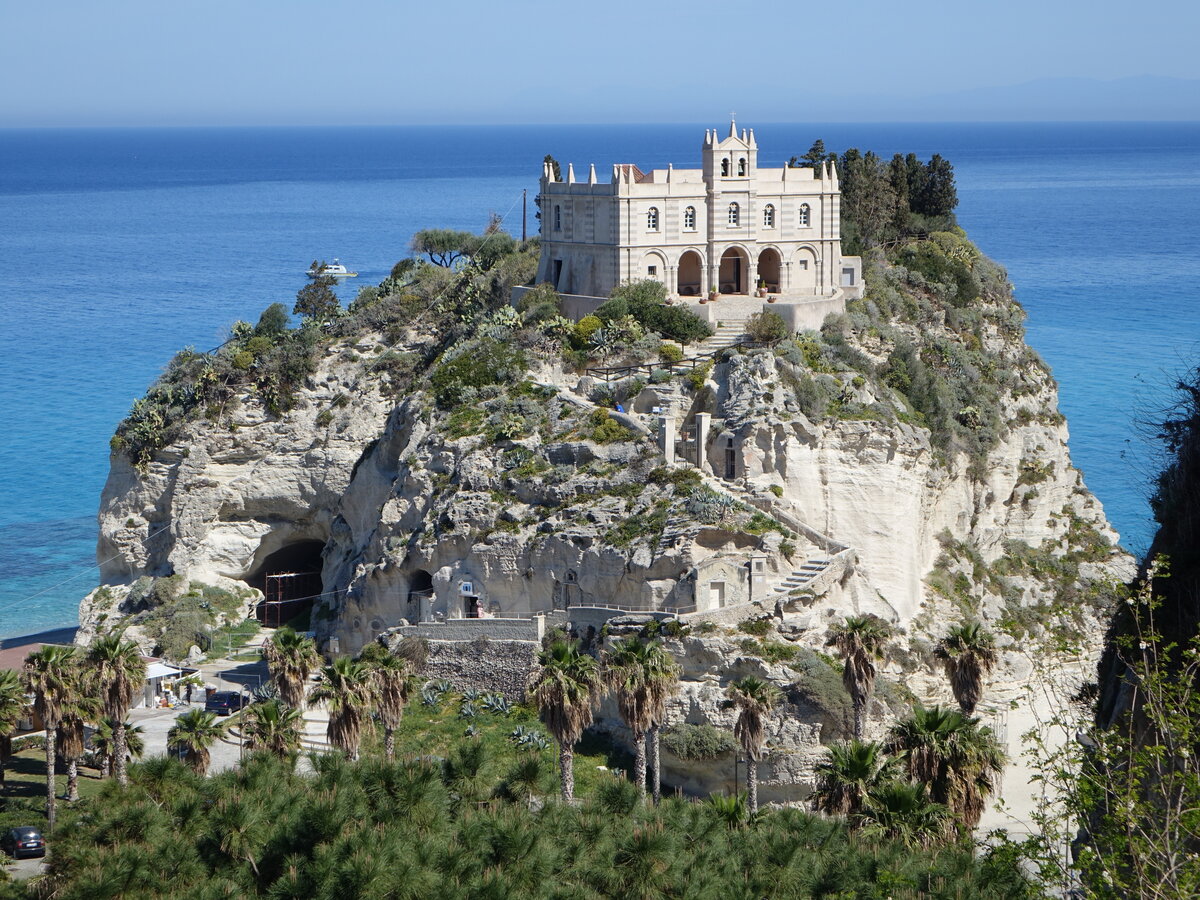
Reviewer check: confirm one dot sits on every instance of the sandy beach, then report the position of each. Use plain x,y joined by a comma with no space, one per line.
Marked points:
13,650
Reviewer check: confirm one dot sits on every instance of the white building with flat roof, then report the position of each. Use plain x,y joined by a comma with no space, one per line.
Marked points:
729,226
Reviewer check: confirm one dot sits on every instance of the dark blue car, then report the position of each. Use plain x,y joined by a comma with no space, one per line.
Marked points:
24,841
225,702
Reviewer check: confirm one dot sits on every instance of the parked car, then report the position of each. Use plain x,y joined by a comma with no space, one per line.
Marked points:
225,702
23,841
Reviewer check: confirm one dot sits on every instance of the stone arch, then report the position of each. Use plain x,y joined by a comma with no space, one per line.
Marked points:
689,276
733,275
654,267
770,269
804,271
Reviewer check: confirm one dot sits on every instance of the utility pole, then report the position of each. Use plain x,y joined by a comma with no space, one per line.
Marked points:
524,206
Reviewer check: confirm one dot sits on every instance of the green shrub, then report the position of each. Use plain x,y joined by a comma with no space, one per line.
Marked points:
767,327
696,742
585,328
645,301
477,364
604,429
756,627
670,352
695,379
464,421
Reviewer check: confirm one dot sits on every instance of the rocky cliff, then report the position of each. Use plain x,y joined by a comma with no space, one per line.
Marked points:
444,455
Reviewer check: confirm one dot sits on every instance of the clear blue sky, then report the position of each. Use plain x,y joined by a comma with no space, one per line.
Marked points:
176,62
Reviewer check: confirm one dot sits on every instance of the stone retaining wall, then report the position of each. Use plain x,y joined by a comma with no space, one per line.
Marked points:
502,667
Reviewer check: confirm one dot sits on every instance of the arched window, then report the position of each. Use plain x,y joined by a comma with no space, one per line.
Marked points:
805,218
735,214
742,166
724,167
689,219
558,218
769,216
652,219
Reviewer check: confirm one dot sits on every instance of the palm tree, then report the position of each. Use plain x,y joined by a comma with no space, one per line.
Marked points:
291,657
272,726
566,688
82,706
393,684
192,734
951,753
13,704
968,654
904,812
754,699
105,745
662,679
860,641
119,671
850,772
348,687
47,675
624,672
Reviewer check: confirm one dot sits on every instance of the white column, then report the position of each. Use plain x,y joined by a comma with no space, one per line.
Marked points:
702,425
666,438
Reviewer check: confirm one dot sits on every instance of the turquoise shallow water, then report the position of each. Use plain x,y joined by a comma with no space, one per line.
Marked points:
124,246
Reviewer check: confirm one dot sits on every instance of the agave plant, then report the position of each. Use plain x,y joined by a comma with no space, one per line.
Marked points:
496,703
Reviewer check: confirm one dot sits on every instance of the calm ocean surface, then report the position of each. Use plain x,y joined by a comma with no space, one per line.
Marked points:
123,246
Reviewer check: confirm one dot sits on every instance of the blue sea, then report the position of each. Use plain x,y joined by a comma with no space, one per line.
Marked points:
123,246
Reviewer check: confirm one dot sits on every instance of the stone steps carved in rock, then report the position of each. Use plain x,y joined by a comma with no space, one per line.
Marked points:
803,576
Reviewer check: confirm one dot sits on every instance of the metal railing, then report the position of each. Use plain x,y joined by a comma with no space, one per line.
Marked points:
608,373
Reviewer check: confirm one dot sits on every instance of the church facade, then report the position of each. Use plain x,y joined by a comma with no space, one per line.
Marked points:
729,226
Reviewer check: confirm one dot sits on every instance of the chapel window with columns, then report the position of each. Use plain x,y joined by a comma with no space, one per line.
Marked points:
689,219
805,217
652,219
769,216
735,214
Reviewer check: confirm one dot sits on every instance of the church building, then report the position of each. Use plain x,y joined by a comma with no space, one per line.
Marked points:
728,226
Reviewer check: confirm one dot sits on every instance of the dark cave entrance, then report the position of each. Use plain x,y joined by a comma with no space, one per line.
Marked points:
420,596
290,579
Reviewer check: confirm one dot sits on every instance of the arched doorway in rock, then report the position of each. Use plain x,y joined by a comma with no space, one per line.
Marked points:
734,272
420,596
688,274
290,579
769,266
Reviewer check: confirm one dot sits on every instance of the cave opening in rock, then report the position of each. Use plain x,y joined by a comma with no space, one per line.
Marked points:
290,579
420,596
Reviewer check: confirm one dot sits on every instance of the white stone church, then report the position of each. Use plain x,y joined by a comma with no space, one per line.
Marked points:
729,226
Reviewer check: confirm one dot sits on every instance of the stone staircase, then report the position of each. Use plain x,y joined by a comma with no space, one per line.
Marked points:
801,577
312,732
726,335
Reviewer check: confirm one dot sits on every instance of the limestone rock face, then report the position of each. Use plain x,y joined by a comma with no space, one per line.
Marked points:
424,513
217,502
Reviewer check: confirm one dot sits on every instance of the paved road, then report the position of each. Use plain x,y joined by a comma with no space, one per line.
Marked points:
227,675
24,869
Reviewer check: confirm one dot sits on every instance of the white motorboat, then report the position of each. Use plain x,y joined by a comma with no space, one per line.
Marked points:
334,269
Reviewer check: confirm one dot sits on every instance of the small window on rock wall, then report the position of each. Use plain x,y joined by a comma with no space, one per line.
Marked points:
769,216
689,219
735,214
805,217
652,219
